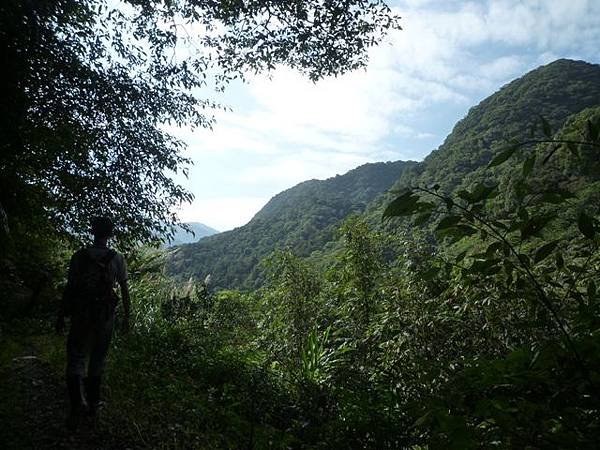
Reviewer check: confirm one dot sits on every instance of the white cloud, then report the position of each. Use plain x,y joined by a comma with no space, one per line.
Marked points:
222,213
290,169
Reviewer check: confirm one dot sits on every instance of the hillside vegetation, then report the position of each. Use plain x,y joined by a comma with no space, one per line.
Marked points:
304,219
554,92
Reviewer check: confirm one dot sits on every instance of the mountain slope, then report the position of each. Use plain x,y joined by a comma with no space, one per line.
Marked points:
554,91
200,231
303,218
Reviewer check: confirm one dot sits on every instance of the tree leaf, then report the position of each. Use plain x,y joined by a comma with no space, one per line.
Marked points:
448,222
591,291
430,274
560,262
546,128
403,205
528,165
534,225
586,225
457,232
483,265
421,219
503,155
544,251
556,196
493,248
592,131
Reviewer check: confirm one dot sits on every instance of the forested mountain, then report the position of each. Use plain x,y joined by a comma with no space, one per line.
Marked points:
303,218
554,91
185,237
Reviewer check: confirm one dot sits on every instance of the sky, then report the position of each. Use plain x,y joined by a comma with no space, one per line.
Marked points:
283,129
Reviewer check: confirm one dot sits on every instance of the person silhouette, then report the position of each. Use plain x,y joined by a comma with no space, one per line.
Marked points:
90,300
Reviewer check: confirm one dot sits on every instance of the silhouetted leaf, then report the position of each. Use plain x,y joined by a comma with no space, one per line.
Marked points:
461,256
493,248
591,291
546,128
457,232
465,195
430,274
586,225
572,149
421,219
528,165
556,196
503,155
483,265
559,260
404,205
534,225
592,131
544,251
483,192
448,222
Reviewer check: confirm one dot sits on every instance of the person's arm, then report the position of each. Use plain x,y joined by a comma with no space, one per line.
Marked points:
59,326
122,279
126,305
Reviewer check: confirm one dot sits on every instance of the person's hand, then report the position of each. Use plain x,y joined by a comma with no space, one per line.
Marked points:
59,326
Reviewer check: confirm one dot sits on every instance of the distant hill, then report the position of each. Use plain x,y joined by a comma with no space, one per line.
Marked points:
303,218
185,237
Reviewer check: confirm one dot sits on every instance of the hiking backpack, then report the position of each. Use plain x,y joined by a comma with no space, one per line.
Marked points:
93,291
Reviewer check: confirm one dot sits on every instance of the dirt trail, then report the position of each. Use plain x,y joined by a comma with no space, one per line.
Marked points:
34,409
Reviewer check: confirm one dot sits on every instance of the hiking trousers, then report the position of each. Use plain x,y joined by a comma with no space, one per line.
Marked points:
89,338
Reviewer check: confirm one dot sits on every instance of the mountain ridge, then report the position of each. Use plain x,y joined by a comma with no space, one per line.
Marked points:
199,230
303,218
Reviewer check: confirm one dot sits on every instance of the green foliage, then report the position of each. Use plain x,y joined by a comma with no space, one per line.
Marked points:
509,399
304,218
91,85
290,306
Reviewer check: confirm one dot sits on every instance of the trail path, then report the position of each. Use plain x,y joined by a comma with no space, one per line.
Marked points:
33,407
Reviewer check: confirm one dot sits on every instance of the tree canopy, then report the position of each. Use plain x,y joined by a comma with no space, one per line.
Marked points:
91,85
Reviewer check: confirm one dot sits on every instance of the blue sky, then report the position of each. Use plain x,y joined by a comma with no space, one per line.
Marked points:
450,55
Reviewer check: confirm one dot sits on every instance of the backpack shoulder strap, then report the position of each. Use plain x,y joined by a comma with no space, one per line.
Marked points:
109,256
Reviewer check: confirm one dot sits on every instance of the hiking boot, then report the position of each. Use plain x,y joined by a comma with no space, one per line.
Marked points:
92,392
76,402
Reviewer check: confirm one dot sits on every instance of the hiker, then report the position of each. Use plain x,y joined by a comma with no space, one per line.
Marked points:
90,300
